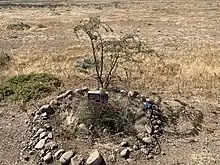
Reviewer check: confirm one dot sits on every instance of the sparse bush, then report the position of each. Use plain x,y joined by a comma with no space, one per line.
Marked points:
27,87
108,118
109,53
18,26
4,59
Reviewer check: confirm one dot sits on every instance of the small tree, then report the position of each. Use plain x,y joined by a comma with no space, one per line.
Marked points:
108,53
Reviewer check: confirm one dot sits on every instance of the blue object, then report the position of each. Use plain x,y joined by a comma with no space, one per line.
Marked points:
148,104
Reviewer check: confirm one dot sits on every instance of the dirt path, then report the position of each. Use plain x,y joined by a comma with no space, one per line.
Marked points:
13,135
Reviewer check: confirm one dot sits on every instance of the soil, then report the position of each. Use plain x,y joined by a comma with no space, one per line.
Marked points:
178,26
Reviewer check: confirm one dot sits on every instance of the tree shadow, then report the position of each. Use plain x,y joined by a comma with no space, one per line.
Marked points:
174,117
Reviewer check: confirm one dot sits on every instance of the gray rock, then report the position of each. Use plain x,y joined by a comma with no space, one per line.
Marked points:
135,147
53,103
156,127
39,132
130,149
147,140
48,157
132,94
159,122
82,90
51,145
43,135
145,151
150,156
50,135
65,158
148,128
125,153
46,108
77,160
47,126
124,144
64,95
31,152
44,114
40,144
58,153
95,159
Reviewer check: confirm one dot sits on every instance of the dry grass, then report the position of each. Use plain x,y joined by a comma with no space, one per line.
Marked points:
190,66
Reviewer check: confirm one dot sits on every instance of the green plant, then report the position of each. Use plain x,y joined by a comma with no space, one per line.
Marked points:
27,87
107,118
109,53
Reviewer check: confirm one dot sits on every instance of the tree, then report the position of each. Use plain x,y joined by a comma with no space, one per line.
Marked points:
108,53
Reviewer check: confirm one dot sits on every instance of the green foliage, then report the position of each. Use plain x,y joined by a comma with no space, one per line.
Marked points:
27,87
108,118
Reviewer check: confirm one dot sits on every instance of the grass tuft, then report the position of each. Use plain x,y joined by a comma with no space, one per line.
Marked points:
27,87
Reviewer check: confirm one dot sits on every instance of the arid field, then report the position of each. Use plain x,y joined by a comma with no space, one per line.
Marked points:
185,36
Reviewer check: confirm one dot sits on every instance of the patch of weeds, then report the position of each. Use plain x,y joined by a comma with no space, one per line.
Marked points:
114,121
4,59
18,26
41,26
27,87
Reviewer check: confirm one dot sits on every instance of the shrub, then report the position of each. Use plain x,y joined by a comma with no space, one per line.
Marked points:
27,87
4,59
18,26
109,53
108,118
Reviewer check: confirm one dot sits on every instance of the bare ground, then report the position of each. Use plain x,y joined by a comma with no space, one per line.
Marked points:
184,33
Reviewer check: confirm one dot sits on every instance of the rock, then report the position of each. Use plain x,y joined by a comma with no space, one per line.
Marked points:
159,122
156,127
95,159
132,94
130,149
83,128
58,153
34,129
48,126
150,156
51,145
44,114
77,160
65,158
48,157
64,95
43,135
50,135
40,144
145,151
31,152
125,153
53,103
39,132
147,140
154,122
135,147
124,144
148,128
105,130
46,108
82,90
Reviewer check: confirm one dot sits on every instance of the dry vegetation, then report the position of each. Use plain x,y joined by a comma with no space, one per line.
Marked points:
184,35
184,38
